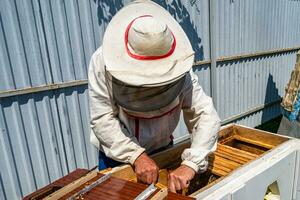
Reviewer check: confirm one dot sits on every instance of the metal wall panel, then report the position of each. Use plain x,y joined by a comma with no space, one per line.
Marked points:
244,26
55,39
45,135
21,58
192,16
245,84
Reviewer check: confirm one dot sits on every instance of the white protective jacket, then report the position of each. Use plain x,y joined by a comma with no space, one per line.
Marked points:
114,130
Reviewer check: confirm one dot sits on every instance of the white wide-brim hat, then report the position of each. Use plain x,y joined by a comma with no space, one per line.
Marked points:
125,64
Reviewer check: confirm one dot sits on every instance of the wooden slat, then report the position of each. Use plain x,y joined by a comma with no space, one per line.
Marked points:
260,136
237,152
234,158
226,159
43,192
223,168
125,172
226,132
170,156
255,142
216,160
160,195
217,171
70,187
115,188
163,177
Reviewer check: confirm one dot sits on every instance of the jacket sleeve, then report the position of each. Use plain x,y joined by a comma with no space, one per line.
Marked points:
202,122
113,136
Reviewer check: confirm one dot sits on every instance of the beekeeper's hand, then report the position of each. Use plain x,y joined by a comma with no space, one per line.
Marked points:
180,178
146,169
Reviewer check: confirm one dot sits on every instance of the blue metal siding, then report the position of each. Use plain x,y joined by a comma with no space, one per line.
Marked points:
250,26
245,84
69,44
13,41
245,26
45,135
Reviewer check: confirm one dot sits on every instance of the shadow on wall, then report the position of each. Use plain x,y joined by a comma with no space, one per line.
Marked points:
106,9
181,14
271,96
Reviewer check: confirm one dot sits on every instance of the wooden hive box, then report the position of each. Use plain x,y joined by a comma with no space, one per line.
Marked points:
237,147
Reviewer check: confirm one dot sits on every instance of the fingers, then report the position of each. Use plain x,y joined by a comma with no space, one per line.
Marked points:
177,182
148,175
171,185
184,183
146,169
177,185
155,176
180,178
145,177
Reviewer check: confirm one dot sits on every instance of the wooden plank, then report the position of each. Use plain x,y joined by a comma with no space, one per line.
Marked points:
255,142
260,136
226,132
248,146
170,156
226,140
160,195
215,170
216,160
234,158
161,186
220,167
58,184
115,188
237,152
163,177
70,187
125,172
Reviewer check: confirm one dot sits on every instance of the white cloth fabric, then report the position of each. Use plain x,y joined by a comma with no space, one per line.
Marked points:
113,130
150,37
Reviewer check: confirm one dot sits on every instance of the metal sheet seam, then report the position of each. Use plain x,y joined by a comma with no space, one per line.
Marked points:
296,176
250,111
2,191
44,40
257,54
55,86
8,93
61,136
212,44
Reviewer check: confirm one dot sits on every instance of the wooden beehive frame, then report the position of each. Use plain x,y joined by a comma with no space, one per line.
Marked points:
225,159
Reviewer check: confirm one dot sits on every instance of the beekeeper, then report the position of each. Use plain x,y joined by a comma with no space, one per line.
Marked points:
139,82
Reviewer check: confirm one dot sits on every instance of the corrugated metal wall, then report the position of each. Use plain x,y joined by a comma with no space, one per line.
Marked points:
245,27
45,135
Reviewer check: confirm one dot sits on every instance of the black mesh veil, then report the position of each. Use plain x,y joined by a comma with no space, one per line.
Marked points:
144,99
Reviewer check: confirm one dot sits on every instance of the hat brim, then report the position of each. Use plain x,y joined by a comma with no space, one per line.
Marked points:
145,72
